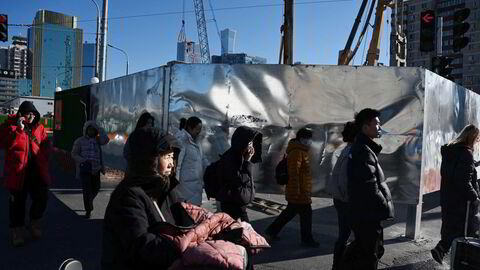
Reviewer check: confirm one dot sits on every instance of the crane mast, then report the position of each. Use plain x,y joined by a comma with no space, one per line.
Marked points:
202,31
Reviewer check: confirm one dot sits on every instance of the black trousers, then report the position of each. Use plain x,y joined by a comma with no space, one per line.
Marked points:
235,211
368,244
90,186
305,212
344,231
453,226
38,191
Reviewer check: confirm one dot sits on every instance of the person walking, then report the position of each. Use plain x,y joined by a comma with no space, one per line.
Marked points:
337,186
298,191
370,201
27,151
145,120
458,186
128,242
235,171
87,153
190,165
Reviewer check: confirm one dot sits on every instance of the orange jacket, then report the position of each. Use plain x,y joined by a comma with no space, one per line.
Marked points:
299,187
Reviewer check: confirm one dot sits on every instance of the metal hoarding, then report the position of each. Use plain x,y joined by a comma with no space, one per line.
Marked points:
277,100
448,108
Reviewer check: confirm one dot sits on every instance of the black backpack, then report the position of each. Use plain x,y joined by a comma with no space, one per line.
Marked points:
211,180
281,171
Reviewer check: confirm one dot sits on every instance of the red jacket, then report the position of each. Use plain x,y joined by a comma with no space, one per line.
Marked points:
17,143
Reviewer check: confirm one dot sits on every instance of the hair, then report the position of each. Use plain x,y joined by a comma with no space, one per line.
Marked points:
365,116
465,135
304,133
192,122
349,132
142,121
183,123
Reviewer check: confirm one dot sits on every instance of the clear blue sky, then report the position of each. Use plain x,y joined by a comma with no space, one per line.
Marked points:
321,29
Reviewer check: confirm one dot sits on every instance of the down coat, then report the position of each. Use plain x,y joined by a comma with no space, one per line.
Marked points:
176,236
459,182
369,196
17,144
299,186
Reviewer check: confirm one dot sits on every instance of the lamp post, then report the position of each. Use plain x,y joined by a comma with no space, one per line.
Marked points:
126,55
97,44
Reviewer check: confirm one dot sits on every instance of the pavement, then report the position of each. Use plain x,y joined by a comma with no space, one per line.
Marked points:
67,234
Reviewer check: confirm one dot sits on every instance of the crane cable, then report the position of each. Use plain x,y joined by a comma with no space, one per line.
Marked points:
366,24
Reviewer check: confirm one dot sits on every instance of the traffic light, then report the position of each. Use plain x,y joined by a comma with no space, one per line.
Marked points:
427,31
441,66
3,27
460,28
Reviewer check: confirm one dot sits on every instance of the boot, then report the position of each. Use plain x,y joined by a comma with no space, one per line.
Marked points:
438,253
18,236
35,229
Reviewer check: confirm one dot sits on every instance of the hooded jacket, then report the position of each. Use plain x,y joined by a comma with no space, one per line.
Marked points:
24,148
459,178
299,186
234,172
82,145
369,196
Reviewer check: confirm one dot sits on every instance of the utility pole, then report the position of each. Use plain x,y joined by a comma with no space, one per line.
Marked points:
102,70
288,33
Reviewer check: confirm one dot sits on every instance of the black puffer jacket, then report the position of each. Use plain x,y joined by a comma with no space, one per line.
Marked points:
235,172
370,198
459,178
128,243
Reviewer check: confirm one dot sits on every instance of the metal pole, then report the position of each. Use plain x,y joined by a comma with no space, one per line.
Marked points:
97,44
124,52
288,33
440,36
103,43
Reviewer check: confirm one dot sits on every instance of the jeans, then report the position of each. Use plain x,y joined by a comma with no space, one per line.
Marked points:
305,212
344,231
38,192
90,186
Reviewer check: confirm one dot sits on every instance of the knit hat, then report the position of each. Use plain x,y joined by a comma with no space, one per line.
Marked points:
151,141
27,106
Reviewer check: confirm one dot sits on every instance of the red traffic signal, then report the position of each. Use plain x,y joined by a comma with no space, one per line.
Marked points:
427,31
3,27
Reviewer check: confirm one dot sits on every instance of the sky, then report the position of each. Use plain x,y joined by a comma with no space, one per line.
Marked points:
321,28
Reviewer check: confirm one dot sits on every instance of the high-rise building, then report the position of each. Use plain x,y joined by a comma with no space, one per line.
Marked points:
57,53
17,56
466,63
88,70
8,85
188,52
227,38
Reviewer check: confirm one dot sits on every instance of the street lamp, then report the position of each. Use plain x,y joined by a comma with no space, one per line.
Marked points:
97,45
126,55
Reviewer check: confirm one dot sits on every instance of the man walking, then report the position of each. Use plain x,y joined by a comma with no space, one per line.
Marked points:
370,201
87,154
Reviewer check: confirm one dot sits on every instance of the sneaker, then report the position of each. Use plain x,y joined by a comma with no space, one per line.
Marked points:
35,229
310,244
18,236
438,254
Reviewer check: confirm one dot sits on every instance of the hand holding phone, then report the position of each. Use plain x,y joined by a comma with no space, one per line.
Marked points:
20,123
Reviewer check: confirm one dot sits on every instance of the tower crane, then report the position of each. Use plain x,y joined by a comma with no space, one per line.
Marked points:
202,31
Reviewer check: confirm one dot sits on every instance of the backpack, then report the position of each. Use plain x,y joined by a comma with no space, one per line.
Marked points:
211,180
281,171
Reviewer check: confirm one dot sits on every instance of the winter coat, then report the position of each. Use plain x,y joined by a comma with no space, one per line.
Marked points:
24,148
299,186
370,198
127,241
235,172
81,145
190,168
337,183
459,179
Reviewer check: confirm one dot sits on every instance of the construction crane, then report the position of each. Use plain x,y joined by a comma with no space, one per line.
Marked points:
374,49
202,31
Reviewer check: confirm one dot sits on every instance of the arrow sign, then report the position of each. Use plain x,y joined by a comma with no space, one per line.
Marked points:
428,18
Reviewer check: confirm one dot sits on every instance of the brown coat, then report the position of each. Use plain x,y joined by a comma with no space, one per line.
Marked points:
299,187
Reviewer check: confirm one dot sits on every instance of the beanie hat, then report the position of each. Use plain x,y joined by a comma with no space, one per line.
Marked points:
27,106
151,141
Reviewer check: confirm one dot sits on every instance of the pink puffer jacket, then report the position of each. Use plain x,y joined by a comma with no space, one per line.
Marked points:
216,241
